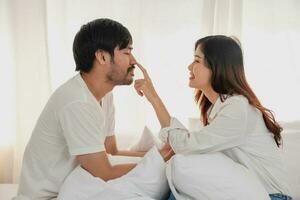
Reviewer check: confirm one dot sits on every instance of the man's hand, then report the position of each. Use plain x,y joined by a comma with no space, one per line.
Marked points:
112,148
166,152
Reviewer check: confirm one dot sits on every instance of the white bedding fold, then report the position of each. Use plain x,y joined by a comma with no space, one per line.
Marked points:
146,181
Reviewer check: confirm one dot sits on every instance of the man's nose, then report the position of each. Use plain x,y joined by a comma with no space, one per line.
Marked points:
132,60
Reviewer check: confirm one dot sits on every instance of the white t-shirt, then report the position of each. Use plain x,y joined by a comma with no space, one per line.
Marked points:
237,129
72,123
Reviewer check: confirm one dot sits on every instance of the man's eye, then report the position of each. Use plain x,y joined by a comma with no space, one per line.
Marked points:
196,61
127,53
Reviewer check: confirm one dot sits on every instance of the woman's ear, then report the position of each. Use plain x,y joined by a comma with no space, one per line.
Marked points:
101,56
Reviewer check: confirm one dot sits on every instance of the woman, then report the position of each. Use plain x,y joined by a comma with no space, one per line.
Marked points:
230,113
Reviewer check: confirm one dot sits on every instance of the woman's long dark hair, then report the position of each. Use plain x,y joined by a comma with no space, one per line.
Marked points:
224,57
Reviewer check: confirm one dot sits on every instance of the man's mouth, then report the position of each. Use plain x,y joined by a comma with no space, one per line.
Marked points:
130,70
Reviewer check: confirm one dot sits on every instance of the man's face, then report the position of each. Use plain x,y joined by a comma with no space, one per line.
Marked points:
122,67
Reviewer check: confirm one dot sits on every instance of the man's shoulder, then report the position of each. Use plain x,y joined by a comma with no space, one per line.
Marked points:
70,86
69,92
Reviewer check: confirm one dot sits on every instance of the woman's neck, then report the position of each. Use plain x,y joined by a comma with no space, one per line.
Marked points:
211,95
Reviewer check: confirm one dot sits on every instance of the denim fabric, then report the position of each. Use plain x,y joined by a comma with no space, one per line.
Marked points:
280,197
171,197
273,197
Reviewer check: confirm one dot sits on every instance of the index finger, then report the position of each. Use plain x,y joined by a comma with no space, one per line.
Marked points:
144,71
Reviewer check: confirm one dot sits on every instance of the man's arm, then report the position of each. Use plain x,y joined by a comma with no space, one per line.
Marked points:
112,148
98,165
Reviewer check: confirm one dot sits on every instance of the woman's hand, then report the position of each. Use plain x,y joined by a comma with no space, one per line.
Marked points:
144,86
166,152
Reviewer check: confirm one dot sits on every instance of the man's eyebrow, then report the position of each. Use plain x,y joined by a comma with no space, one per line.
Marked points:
130,48
198,56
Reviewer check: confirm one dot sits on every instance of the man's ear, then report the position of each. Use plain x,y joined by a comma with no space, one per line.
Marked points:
101,56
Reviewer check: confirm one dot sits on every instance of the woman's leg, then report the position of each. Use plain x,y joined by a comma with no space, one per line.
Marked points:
279,197
171,197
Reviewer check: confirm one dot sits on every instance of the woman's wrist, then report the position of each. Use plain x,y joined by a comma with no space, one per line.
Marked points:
155,100
161,111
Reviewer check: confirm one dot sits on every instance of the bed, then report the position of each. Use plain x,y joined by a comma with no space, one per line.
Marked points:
291,149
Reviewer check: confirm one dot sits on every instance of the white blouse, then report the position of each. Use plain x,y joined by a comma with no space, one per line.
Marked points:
237,129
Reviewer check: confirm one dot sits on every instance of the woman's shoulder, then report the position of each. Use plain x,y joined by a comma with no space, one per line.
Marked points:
234,104
239,100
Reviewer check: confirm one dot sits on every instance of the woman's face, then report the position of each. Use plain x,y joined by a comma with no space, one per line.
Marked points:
200,75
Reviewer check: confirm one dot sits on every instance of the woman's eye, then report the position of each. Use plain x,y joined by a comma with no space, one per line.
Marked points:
127,53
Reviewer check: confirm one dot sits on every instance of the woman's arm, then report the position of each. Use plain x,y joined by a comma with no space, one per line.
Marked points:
145,87
227,130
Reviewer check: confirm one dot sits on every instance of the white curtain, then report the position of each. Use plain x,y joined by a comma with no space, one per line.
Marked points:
25,82
162,33
271,43
36,57
8,97
222,17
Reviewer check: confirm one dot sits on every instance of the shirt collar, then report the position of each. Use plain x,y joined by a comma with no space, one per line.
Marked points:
79,78
214,109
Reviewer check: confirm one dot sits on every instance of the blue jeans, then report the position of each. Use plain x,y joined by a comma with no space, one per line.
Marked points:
171,197
273,197
280,197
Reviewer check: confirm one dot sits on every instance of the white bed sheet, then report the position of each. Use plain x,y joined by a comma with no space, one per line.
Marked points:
8,191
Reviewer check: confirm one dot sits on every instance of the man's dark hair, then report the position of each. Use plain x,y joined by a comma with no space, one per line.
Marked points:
99,34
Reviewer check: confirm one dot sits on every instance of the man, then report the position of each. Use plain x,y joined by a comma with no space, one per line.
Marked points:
77,124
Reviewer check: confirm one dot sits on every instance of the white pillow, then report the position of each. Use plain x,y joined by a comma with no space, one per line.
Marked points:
147,141
116,160
147,180
213,176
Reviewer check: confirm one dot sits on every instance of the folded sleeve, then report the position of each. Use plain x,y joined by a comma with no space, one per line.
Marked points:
227,130
82,126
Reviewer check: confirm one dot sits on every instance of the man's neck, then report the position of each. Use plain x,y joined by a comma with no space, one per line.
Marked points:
97,85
